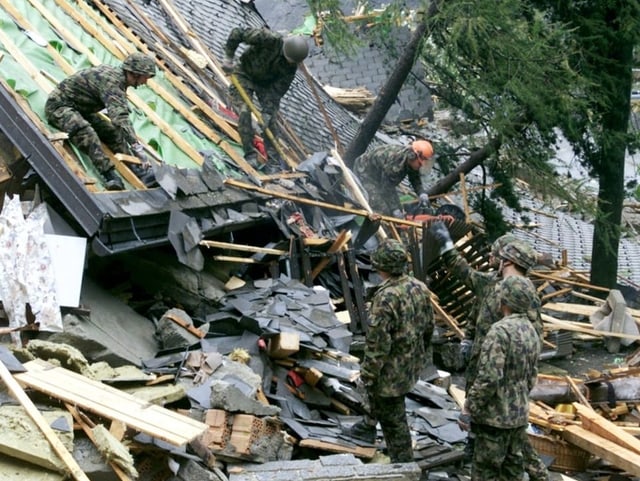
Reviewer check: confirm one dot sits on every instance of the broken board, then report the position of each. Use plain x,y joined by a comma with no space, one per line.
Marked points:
111,403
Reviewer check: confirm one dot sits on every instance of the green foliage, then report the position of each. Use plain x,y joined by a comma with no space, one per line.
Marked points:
494,222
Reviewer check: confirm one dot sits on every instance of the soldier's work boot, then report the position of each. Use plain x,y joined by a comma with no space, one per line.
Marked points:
112,181
363,431
145,174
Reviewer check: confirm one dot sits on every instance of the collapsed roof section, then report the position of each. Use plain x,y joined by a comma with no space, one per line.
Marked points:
179,115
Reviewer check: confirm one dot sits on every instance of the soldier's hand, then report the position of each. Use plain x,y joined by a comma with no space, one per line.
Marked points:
398,214
227,65
441,234
138,151
464,421
465,349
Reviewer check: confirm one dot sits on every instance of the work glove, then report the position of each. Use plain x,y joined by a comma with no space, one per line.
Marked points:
464,421
227,65
424,200
441,234
465,349
398,214
138,151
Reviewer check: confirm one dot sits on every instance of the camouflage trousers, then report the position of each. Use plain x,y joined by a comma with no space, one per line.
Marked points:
383,198
392,415
269,103
497,454
533,465
85,132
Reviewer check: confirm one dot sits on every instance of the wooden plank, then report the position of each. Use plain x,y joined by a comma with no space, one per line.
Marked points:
615,454
458,394
563,280
553,323
243,247
341,240
358,451
582,309
59,448
595,423
110,403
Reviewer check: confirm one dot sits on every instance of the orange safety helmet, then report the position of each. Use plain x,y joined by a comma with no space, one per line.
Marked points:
422,148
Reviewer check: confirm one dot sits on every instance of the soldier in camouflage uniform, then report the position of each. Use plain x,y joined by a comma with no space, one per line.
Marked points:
497,401
509,257
383,168
266,69
73,107
397,343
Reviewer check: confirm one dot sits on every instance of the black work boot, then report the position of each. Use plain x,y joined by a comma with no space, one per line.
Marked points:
363,431
145,174
112,181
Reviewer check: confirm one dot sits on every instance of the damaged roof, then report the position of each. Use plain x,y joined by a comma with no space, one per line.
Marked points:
181,114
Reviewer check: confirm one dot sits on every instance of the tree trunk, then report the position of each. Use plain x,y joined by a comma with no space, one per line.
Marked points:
606,234
475,159
385,98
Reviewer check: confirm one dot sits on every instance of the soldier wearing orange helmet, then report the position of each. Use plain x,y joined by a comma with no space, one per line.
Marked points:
383,168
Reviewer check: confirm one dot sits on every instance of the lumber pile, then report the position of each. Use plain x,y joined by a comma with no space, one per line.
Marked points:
356,99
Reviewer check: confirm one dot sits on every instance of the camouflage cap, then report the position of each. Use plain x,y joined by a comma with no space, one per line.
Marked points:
520,253
500,242
518,293
140,64
391,257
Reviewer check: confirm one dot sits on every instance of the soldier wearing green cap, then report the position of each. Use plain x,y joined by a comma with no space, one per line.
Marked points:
497,402
397,344
74,106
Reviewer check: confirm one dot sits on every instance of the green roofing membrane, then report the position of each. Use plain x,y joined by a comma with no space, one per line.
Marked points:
31,34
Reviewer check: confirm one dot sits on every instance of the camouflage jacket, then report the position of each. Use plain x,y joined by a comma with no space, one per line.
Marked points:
398,339
484,286
262,62
90,90
499,395
387,164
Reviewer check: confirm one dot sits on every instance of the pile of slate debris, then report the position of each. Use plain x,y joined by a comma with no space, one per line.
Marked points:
239,372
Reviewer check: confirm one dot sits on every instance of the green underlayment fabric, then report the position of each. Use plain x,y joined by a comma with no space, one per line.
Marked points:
33,47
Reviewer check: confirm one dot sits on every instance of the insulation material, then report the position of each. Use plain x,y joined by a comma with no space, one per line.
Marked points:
26,272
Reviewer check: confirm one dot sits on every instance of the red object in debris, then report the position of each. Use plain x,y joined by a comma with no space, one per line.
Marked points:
262,345
295,379
227,111
258,144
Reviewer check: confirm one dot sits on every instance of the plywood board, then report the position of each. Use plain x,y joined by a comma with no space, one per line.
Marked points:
111,403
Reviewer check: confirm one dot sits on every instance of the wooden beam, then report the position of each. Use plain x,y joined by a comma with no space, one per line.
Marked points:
342,239
563,280
600,447
303,200
57,445
243,248
595,423
557,324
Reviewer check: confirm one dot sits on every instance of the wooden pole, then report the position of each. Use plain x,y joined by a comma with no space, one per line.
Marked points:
326,205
